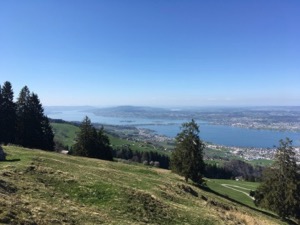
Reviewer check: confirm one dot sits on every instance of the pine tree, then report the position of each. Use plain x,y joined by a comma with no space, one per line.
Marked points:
104,151
84,139
187,157
8,114
33,128
92,143
280,189
23,118
42,135
48,135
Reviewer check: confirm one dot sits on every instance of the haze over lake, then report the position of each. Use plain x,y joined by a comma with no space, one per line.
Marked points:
217,134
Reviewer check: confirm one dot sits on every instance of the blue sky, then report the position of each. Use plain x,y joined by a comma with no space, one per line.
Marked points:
156,53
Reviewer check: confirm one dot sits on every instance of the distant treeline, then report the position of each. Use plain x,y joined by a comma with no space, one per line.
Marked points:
23,122
64,122
229,170
234,169
146,157
58,121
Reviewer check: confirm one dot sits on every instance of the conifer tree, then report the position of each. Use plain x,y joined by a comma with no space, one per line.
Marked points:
92,143
48,135
7,114
84,138
23,118
42,135
33,128
104,151
280,189
187,157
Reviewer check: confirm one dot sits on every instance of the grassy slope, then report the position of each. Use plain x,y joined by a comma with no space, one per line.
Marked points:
136,146
65,133
231,188
38,187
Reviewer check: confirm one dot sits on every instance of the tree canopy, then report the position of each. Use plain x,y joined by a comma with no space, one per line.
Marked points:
280,189
33,128
7,114
24,122
92,143
187,157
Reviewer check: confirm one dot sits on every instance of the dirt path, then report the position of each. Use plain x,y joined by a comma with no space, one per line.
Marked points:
233,187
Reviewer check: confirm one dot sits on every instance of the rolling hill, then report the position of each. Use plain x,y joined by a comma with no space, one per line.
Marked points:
65,133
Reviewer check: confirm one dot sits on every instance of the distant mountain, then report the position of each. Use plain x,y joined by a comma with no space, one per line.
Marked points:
271,118
132,111
126,108
58,109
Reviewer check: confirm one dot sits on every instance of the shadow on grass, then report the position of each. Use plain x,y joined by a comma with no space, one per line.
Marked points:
12,160
207,189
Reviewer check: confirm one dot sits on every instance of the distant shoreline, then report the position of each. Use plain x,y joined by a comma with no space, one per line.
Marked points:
223,127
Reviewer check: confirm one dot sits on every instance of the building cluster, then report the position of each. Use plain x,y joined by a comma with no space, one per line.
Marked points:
152,136
253,153
283,126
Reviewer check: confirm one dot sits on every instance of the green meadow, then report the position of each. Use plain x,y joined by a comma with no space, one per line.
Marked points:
65,133
233,189
39,187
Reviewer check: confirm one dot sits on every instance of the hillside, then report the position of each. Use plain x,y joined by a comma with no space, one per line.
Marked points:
39,187
65,133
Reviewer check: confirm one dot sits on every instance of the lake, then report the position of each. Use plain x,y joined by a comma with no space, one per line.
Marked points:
217,134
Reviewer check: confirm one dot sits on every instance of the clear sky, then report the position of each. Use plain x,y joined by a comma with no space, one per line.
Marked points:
153,52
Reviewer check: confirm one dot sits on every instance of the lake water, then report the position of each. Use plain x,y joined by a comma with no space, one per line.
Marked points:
217,134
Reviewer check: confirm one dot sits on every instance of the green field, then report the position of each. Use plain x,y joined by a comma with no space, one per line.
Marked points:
222,154
261,162
39,187
65,133
236,190
134,145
